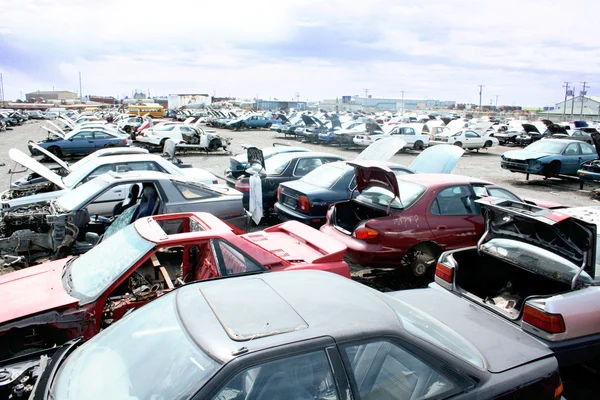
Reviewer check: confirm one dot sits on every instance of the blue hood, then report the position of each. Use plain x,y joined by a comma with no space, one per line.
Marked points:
524,155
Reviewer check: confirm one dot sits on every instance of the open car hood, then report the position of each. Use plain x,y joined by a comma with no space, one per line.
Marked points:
255,156
19,157
50,156
61,131
570,237
382,150
529,128
55,133
335,121
596,140
308,120
437,159
370,173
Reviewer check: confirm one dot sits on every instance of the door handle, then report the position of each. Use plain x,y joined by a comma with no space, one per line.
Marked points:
89,141
441,227
118,191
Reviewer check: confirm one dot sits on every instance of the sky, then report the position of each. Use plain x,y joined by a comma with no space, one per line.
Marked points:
521,51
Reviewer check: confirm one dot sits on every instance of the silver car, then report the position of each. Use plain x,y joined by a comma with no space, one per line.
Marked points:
536,268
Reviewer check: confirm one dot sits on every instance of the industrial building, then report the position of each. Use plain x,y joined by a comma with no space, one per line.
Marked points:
578,106
354,103
51,95
279,105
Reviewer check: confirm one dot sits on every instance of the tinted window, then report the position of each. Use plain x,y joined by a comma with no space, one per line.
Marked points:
305,165
409,131
455,200
482,191
409,194
587,149
83,136
471,134
232,261
384,370
325,176
307,376
572,150
102,135
191,192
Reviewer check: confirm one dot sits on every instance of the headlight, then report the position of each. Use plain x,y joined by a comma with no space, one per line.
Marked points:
535,164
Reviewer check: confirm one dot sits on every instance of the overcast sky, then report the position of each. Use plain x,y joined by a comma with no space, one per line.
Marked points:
322,49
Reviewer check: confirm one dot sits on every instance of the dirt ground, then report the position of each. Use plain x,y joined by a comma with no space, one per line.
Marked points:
484,165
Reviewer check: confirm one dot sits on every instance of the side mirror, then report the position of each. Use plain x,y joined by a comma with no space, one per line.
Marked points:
92,238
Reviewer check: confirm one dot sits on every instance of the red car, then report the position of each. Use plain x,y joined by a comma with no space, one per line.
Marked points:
53,302
409,220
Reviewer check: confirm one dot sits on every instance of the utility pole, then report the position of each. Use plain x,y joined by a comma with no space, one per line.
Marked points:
402,91
366,93
297,96
480,92
566,86
572,102
583,93
497,101
80,90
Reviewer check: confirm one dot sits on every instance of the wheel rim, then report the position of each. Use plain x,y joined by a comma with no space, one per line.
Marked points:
419,268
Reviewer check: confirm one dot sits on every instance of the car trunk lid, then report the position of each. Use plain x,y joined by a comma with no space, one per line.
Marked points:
374,174
437,159
19,157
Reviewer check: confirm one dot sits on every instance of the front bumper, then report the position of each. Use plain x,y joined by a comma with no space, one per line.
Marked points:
589,176
524,167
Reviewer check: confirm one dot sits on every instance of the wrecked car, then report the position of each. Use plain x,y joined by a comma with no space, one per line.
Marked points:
549,157
239,163
532,135
312,128
345,137
257,121
307,199
323,333
184,134
536,268
60,227
64,299
408,221
82,142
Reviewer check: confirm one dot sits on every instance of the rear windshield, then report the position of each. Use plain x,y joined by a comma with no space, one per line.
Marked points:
409,194
276,164
546,146
325,176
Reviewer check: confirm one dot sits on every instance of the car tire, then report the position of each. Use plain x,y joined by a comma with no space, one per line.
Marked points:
488,144
552,169
268,126
214,144
162,143
56,151
108,146
419,262
242,125
418,145
459,144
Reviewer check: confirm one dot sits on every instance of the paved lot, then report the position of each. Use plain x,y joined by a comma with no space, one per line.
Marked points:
579,382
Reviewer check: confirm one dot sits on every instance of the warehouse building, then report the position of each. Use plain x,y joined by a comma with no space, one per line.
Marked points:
586,106
51,95
279,105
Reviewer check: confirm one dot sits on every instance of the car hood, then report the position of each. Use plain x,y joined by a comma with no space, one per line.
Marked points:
503,345
437,159
529,128
381,150
572,238
370,173
524,155
50,156
34,198
308,120
33,290
19,157
254,155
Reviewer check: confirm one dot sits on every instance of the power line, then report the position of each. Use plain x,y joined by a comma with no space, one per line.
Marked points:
583,93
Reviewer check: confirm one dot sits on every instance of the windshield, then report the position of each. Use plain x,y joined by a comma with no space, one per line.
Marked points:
325,176
277,164
146,355
82,194
421,325
409,194
546,146
92,273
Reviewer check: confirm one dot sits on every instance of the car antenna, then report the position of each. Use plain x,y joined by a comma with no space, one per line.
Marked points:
244,349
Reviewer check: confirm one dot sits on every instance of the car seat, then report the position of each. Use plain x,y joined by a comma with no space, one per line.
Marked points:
129,201
147,205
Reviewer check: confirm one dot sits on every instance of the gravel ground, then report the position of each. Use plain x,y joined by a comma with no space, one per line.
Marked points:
485,165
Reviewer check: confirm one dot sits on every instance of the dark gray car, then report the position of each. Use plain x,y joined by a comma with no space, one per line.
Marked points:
298,335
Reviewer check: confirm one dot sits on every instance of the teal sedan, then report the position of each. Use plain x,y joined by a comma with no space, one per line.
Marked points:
549,157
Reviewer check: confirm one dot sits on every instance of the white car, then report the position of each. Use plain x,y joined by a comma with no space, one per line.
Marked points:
55,185
182,133
414,140
465,138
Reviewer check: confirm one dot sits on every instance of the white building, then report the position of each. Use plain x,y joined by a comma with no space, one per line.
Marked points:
580,105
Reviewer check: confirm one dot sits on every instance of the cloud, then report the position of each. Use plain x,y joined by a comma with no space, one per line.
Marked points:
521,51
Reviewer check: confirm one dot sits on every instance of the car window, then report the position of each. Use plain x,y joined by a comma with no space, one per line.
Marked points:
572,150
471,134
409,131
454,200
305,165
457,134
102,135
191,192
384,370
99,171
83,136
144,166
324,177
305,376
587,149
233,261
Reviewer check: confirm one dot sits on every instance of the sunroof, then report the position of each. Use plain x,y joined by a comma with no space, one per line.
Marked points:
250,308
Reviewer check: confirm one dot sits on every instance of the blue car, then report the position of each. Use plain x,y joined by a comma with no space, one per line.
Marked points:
253,121
549,157
82,142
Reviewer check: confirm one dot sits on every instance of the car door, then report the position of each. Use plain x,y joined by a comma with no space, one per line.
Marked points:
473,140
79,143
102,139
454,218
571,159
588,152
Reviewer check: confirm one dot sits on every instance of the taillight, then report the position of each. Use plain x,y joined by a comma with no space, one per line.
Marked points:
303,203
278,193
558,391
444,272
242,186
215,182
124,141
329,213
365,233
551,323
368,137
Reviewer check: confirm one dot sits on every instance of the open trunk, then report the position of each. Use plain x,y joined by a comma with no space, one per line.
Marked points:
349,214
500,285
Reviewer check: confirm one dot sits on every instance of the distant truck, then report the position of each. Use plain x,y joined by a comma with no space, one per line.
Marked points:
176,101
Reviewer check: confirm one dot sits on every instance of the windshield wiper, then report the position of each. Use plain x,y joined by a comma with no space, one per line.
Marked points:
66,275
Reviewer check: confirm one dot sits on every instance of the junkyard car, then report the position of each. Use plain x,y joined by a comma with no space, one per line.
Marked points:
307,199
465,138
253,121
239,163
582,134
345,137
414,140
58,227
54,301
82,142
536,268
300,335
56,186
312,128
182,133
526,138
549,157
408,221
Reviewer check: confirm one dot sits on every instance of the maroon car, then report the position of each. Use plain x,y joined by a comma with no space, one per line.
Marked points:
408,220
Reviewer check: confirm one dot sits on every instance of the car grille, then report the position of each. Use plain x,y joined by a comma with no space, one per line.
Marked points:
518,165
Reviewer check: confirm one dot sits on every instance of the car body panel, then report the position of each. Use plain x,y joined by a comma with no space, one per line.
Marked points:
19,157
437,160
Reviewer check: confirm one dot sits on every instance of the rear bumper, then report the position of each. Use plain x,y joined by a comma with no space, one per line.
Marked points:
286,214
588,175
574,351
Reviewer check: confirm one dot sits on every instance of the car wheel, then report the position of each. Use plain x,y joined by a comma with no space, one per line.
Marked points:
459,144
109,146
242,125
268,126
162,143
56,151
487,144
552,169
420,262
214,144
418,145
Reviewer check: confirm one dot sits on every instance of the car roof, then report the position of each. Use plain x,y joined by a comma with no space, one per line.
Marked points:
565,141
306,154
280,308
432,180
122,158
